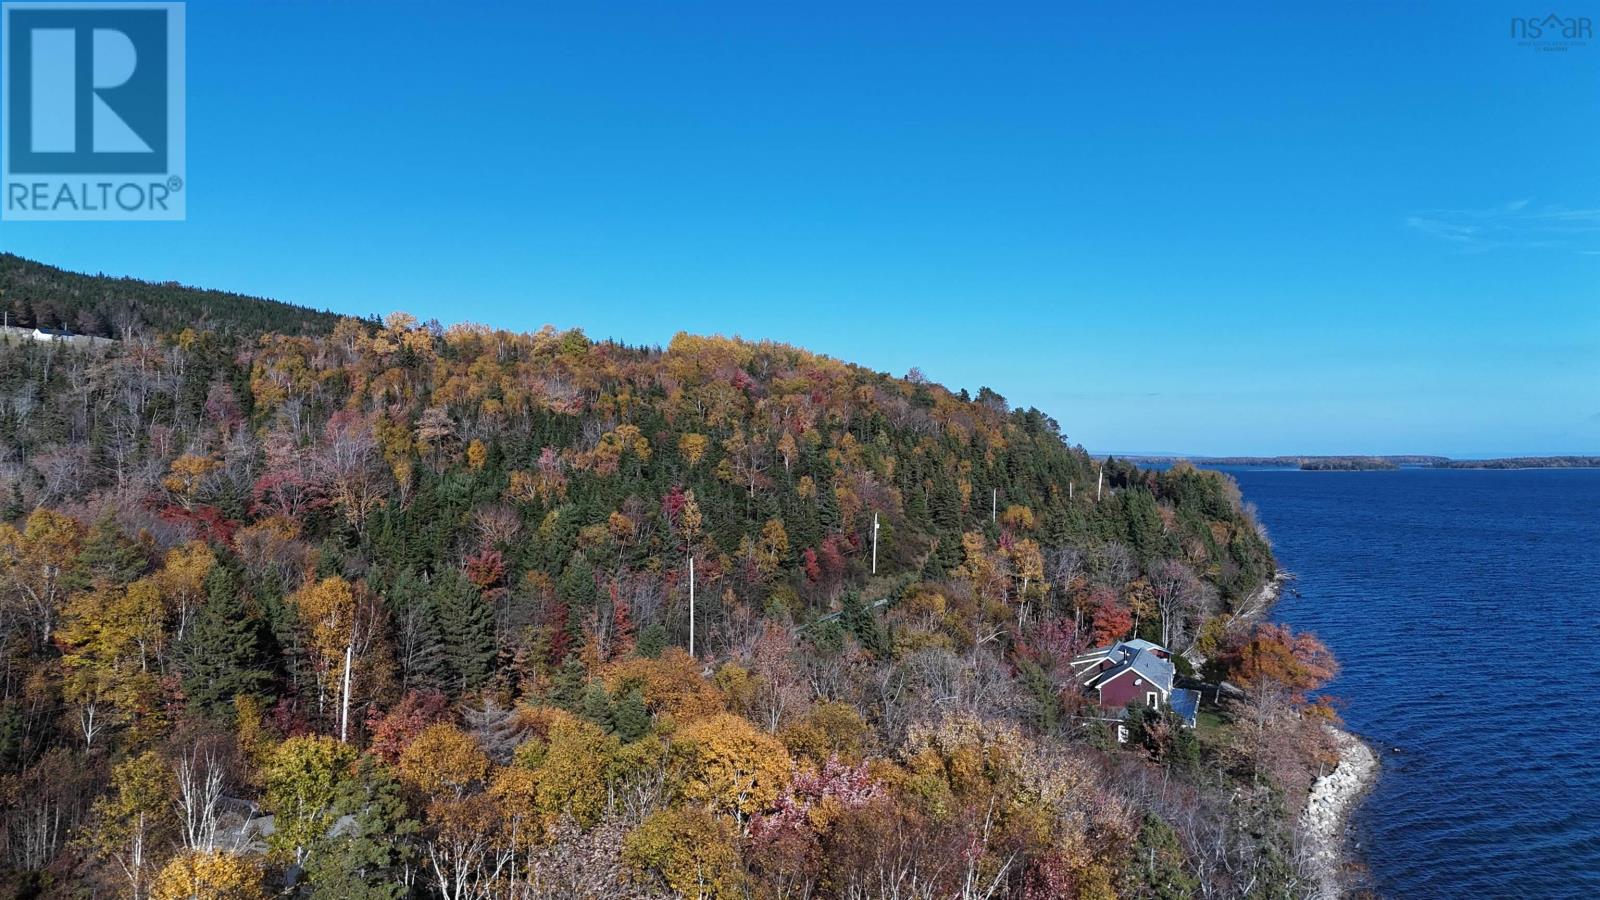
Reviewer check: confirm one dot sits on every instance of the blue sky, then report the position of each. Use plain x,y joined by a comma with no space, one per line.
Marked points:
1209,228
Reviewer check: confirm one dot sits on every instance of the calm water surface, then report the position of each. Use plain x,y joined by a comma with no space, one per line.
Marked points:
1465,608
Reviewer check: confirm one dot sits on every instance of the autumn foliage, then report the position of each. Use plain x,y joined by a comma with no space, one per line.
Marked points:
421,595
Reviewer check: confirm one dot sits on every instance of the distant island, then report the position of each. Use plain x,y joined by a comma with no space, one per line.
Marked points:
1523,462
1378,463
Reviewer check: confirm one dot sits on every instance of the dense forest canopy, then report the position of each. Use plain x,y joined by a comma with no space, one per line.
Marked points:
421,595
34,295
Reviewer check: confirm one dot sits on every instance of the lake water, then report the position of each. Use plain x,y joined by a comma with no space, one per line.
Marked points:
1465,609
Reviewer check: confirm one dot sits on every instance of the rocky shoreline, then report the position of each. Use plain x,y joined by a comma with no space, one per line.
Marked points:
1334,796
1265,597
1325,822
1326,818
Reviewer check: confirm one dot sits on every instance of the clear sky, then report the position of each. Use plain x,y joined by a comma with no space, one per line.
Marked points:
1211,228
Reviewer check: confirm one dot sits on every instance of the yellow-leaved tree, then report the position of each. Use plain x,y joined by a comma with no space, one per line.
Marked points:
327,611
110,639
182,581
134,822
731,765
670,685
34,567
692,447
443,760
210,876
303,777
689,851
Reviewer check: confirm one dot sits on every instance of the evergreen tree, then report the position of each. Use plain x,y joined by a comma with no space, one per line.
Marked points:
946,555
1146,534
945,506
467,625
595,706
567,688
1156,868
577,586
652,640
917,514
630,720
827,507
859,621
14,507
419,647
108,554
365,859
1046,705
222,656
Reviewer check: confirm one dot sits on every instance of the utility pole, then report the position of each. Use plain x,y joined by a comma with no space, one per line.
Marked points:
344,710
1100,482
874,543
691,607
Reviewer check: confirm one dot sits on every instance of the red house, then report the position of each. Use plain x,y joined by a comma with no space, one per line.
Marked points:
1135,672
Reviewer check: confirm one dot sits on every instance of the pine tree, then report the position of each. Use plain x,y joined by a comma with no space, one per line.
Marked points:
859,621
652,640
567,688
108,554
467,625
14,507
946,555
827,507
945,507
917,515
221,657
577,584
1146,533
419,648
596,706
1041,695
630,720
366,859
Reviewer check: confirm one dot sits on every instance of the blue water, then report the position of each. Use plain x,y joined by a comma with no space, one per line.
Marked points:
1465,609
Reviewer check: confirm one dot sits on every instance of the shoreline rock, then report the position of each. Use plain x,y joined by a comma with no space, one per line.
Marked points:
1264,599
1254,608
1325,821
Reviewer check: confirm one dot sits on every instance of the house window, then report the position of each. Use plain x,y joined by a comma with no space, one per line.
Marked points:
1153,699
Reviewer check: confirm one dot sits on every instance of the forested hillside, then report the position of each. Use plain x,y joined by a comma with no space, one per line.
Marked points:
36,295
421,596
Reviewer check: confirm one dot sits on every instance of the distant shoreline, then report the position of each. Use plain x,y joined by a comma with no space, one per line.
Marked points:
1355,463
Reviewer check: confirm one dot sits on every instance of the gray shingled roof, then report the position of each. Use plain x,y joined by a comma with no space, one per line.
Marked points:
1135,655
1154,668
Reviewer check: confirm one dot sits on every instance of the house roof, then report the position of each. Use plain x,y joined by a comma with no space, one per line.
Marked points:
1186,703
1098,653
1154,668
1137,656
1151,668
